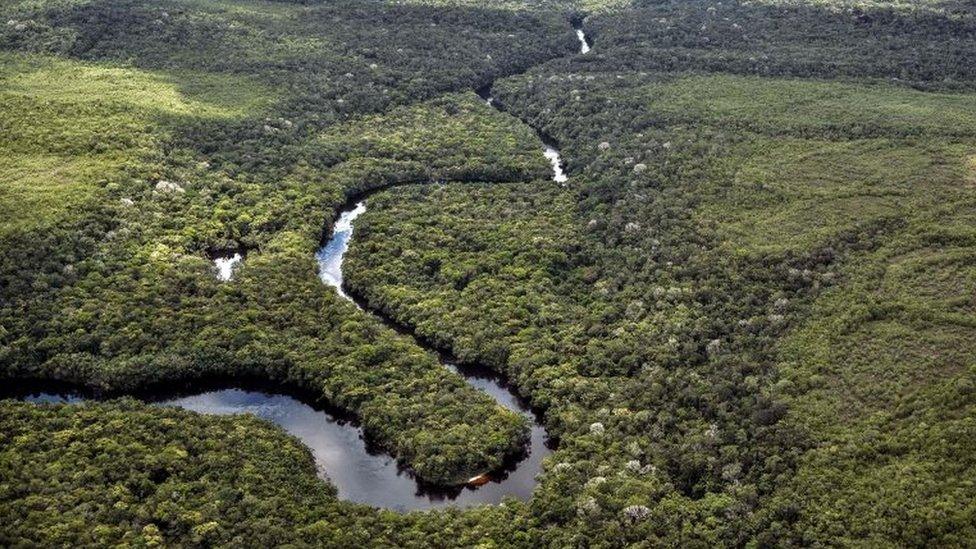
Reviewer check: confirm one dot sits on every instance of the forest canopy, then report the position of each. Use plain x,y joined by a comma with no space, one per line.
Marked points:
747,318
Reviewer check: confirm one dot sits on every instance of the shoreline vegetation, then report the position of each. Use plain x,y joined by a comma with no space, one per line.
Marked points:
747,318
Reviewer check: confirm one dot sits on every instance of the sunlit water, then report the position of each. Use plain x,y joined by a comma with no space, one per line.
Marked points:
552,155
584,45
330,256
225,266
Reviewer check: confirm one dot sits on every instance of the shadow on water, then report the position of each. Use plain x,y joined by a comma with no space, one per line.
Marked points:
361,471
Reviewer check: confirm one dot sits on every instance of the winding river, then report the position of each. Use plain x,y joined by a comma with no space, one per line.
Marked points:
360,472
550,149
517,479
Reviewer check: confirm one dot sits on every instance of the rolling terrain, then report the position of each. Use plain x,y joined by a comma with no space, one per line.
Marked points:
724,251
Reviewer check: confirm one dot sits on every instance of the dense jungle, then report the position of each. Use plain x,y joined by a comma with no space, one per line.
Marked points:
722,255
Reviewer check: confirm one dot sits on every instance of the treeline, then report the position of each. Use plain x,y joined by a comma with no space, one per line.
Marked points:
330,60
712,314
711,213
924,47
131,299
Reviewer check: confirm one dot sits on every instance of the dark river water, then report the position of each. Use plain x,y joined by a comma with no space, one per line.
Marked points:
360,473
388,488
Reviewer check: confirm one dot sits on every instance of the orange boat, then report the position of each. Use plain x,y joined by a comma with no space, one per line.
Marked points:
483,478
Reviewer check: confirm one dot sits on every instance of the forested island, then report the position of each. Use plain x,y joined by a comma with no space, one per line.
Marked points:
539,273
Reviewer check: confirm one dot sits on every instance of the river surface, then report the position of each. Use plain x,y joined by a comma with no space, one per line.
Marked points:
225,266
360,472
584,43
552,155
330,256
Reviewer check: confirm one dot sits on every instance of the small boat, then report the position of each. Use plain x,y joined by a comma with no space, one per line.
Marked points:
478,480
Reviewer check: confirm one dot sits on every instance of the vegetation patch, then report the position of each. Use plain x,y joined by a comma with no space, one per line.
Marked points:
747,317
458,136
791,195
808,107
70,128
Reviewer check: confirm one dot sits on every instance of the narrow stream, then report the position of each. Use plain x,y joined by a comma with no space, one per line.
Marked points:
518,477
360,473
330,256
552,155
549,148
584,43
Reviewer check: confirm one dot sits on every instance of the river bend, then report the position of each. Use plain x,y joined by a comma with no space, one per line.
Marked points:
360,473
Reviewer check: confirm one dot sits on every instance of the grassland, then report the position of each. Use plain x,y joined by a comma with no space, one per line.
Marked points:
70,129
801,107
797,194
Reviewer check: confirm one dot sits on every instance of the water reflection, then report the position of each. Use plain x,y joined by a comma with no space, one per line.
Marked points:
330,256
360,472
